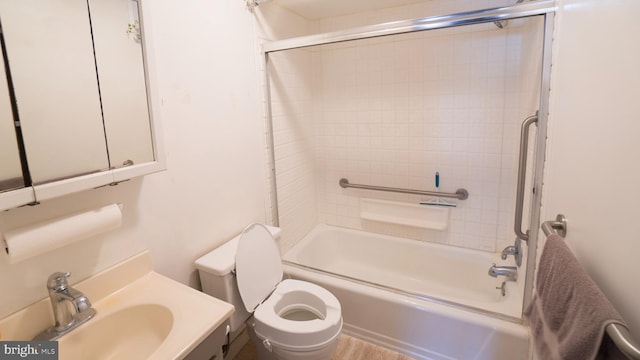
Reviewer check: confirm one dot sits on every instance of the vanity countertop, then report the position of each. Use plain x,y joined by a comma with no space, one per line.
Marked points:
131,284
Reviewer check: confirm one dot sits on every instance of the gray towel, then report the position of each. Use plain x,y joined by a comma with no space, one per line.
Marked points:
569,314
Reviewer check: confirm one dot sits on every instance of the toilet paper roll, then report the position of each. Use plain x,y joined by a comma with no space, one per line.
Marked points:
28,241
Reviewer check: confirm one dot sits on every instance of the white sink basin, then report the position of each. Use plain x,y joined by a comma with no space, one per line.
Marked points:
140,314
132,333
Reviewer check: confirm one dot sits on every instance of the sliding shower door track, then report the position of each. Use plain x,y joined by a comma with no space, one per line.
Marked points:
406,26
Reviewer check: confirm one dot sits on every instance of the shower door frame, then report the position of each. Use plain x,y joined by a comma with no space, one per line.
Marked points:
544,8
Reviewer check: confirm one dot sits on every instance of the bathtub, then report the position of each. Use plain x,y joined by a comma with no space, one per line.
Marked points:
426,300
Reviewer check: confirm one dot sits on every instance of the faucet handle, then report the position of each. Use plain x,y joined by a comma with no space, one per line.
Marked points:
58,281
515,250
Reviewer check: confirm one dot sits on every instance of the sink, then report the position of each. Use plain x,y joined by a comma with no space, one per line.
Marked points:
140,314
132,333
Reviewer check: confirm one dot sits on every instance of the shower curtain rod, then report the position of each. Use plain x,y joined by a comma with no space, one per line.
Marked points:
525,9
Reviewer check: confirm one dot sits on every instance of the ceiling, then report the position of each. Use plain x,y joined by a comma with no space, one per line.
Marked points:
320,9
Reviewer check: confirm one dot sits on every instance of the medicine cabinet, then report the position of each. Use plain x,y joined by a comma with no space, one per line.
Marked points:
74,106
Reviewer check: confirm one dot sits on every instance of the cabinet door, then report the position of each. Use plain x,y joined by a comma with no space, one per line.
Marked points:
10,165
118,51
50,53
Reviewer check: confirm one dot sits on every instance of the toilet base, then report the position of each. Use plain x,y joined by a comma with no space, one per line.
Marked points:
278,353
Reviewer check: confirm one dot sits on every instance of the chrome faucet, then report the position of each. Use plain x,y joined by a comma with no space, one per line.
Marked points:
509,272
509,250
515,250
71,308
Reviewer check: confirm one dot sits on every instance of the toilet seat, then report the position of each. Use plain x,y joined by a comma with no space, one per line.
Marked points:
263,292
292,295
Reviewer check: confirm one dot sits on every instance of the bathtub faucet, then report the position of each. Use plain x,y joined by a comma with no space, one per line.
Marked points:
509,272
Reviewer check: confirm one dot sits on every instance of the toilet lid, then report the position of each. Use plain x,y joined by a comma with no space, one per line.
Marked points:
258,265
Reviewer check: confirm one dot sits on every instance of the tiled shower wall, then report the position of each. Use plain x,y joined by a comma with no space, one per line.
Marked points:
391,112
293,96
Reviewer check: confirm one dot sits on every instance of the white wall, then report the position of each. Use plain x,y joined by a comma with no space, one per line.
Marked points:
209,105
592,171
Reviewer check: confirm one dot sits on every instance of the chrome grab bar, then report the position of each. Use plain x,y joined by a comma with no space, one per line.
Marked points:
460,194
618,333
522,172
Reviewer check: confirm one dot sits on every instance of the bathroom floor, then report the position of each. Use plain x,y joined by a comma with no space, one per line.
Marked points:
349,348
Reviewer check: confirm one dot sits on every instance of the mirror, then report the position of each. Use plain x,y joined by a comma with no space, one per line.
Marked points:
50,55
10,165
118,51
79,82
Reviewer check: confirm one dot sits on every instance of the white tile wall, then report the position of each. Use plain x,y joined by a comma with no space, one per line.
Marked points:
392,111
291,90
292,94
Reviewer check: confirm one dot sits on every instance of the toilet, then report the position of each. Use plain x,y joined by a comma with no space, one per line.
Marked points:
286,319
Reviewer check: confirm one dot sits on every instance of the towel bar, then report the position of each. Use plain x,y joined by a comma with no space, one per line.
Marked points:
622,338
559,226
619,334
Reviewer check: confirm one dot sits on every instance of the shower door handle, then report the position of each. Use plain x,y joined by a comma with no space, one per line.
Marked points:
522,171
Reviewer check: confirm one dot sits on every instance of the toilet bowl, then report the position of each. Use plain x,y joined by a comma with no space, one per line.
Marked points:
291,319
298,316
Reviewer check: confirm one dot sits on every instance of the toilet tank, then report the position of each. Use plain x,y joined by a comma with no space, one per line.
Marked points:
217,276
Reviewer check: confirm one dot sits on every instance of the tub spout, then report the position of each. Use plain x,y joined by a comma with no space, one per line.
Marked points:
509,272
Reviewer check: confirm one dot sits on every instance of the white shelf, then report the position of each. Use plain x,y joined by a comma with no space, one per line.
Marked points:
415,215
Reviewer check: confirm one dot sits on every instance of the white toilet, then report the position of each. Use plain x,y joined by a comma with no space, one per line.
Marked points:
292,319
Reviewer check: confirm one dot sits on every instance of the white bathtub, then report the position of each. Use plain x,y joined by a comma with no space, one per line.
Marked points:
426,300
